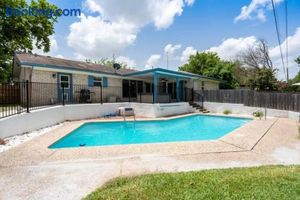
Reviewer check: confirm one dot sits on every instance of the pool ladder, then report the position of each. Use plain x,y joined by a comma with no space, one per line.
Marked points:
124,117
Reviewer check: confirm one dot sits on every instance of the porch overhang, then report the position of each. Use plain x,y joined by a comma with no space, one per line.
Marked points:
162,72
170,73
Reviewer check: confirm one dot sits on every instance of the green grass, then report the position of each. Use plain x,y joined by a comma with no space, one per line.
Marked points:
271,182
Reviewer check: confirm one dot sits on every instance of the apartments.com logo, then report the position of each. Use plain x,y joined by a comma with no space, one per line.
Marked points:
49,13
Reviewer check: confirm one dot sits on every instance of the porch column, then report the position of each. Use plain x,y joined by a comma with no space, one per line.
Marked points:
155,87
177,89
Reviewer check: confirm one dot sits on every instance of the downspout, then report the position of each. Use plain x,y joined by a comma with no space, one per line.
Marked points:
30,76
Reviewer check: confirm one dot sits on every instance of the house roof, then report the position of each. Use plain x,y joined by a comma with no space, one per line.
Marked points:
59,63
52,62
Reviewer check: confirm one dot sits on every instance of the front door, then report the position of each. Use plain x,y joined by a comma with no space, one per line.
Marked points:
64,87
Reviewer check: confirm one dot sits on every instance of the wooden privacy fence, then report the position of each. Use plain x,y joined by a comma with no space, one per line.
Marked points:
275,100
9,94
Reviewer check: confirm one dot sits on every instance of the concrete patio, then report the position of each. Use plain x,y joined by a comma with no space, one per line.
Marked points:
32,171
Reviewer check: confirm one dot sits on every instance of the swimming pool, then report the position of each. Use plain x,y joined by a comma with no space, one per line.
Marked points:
191,128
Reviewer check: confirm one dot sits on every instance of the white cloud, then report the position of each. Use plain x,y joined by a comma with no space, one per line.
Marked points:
129,62
93,37
256,10
231,47
187,53
294,51
153,61
139,12
115,24
170,49
189,2
164,12
59,56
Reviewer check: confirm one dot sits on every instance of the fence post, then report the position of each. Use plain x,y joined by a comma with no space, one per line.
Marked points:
140,97
129,92
63,95
27,96
192,94
101,95
202,97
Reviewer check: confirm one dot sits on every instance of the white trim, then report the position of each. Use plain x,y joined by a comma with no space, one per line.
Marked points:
96,74
69,81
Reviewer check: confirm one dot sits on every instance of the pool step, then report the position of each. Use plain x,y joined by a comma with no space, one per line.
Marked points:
198,107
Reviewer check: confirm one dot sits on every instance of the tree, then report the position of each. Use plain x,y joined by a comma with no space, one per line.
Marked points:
256,56
210,64
264,79
106,62
258,67
298,60
23,33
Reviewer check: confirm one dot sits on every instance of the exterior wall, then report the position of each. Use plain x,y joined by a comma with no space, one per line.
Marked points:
208,85
43,88
25,74
211,85
80,79
43,76
113,93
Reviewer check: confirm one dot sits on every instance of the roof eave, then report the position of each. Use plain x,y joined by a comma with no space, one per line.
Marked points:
67,68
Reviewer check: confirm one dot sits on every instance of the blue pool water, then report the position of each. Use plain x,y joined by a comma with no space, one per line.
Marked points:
197,127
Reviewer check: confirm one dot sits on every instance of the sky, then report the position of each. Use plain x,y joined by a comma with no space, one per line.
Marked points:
164,33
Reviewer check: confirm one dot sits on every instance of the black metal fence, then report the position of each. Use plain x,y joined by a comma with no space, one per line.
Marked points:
274,100
22,97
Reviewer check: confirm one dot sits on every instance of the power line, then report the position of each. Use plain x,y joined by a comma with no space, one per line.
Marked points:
286,40
278,36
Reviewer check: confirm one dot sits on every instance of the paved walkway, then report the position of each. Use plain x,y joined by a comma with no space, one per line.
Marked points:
32,171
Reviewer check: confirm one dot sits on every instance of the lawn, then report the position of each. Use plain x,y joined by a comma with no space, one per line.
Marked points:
270,182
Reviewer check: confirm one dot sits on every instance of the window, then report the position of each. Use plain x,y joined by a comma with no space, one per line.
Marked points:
98,81
125,88
129,88
164,88
64,81
148,87
140,87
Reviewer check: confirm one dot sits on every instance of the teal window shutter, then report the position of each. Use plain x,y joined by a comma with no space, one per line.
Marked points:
91,81
105,82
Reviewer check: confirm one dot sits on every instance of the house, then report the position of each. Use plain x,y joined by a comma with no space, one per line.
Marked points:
56,78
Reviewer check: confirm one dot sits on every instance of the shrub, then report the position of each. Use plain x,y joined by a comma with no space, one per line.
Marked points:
258,114
227,112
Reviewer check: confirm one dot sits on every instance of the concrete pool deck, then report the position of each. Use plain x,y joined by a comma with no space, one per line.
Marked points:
32,171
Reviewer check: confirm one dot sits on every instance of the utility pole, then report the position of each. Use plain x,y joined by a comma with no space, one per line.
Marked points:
287,41
113,60
167,60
